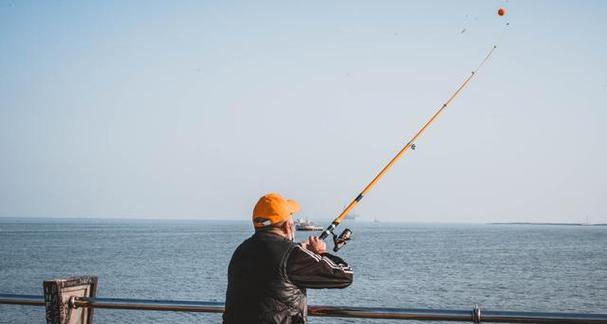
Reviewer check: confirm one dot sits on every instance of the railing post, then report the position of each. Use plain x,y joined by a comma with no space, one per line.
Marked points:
59,295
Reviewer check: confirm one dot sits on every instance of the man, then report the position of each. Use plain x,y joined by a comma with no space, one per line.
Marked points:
269,273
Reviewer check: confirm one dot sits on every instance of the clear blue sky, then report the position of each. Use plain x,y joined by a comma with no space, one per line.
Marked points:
189,109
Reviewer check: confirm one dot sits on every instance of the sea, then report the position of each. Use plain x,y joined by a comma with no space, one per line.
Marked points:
448,266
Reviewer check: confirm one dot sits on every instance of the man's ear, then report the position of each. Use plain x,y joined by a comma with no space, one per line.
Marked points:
285,227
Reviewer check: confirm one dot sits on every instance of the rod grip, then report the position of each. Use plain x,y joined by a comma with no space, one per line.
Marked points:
323,235
328,231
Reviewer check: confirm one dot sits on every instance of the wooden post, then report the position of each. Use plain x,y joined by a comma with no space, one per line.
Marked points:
57,294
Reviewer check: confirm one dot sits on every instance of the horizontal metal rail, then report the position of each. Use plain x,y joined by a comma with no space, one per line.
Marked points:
154,305
474,315
31,300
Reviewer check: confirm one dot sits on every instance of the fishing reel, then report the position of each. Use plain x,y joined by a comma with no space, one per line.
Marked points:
341,240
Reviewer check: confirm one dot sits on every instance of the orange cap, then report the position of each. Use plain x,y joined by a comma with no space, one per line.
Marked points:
272,208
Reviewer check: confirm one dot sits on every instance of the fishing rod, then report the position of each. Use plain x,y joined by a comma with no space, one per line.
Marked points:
344,237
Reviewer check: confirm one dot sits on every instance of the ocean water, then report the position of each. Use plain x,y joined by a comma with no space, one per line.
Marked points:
500,267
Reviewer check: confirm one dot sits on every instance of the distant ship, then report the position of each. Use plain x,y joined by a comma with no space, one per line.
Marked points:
303,224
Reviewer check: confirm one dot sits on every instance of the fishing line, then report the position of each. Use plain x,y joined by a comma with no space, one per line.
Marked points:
341,240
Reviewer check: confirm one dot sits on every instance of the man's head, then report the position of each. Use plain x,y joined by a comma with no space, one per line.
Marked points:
273,212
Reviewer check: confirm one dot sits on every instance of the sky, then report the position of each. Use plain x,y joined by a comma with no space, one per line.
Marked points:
194,109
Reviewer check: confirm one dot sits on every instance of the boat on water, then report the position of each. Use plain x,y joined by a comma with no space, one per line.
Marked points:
303,224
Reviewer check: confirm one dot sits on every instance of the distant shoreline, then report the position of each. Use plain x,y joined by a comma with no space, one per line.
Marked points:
553,224
5,219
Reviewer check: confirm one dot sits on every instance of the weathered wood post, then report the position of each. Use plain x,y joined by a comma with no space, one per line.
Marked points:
57,294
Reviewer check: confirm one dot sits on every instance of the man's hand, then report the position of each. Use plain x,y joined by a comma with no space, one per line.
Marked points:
314,244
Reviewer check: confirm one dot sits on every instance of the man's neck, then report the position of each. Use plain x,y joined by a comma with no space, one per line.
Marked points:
275,231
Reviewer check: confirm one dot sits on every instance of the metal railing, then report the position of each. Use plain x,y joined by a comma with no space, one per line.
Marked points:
475,315
31,300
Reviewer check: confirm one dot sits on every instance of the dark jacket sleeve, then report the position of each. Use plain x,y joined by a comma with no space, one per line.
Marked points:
307,269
